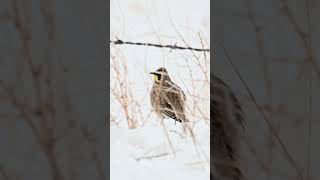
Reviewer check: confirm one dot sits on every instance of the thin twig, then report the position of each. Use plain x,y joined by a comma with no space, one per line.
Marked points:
152,156
168,138
310,89
286,11
204,117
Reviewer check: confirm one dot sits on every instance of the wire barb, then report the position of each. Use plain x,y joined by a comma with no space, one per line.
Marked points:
120,42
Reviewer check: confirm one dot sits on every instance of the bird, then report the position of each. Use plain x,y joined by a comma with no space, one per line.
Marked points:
167,99
226,122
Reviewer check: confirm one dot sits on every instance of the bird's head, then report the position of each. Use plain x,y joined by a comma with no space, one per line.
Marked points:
160,75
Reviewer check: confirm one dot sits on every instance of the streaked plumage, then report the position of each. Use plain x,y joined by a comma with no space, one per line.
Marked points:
167,99
226,121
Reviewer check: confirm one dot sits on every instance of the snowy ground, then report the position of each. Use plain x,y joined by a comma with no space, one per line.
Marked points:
144,152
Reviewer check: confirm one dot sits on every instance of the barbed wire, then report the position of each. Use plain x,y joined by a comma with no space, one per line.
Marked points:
119,42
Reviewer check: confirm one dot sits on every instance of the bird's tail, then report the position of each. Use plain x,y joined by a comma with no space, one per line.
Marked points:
181,119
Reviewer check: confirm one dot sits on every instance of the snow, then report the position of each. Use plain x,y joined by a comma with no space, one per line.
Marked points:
127,146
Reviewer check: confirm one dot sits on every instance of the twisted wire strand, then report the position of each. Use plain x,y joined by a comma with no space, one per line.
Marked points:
120,42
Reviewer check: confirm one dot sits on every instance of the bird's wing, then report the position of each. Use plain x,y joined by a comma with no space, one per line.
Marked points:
170,113
176,90
175,97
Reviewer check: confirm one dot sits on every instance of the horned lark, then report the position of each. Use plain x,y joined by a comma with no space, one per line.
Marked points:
167,99
226,121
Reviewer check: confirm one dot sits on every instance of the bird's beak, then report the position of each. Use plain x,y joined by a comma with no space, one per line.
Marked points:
151,73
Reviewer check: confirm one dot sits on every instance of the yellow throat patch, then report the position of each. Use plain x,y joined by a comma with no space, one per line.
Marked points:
155,78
